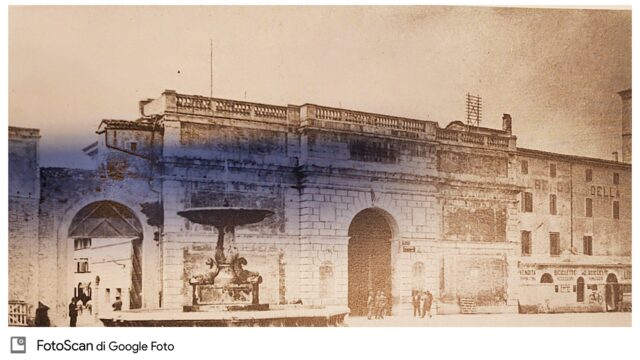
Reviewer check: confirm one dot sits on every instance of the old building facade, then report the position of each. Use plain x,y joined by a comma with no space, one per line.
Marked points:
363,202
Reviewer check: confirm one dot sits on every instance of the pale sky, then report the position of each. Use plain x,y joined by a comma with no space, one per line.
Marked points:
557,72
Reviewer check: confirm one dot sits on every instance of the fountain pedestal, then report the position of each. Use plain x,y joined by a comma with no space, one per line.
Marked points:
226,283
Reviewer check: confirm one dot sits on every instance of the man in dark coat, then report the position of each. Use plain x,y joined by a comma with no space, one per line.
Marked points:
42,315
73,312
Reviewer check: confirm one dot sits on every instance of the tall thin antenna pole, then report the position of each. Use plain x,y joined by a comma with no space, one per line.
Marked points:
211,68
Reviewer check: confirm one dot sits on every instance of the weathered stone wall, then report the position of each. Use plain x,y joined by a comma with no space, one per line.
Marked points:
23,193
611,237
540,222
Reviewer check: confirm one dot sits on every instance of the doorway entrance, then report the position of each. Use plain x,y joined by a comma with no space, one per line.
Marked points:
580,290
369,255
612,293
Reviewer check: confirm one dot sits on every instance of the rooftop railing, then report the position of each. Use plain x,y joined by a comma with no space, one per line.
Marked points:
412,128
199,104
362,118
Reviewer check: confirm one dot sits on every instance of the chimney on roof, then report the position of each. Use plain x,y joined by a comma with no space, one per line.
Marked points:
506,123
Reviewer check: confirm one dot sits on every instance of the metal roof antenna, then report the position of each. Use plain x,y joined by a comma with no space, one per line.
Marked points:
474,111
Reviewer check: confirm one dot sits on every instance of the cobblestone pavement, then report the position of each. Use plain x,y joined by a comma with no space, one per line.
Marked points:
584,319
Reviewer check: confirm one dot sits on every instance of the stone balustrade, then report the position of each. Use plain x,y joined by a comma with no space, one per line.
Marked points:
332,118
211,106
362,118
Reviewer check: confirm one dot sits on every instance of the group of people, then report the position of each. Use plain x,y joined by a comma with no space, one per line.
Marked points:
77,306
376,305
421,301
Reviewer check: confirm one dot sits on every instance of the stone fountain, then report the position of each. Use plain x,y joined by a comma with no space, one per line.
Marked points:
227,294
226,283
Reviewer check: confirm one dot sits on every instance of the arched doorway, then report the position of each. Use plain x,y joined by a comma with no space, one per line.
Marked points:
369,255
106,238
612,292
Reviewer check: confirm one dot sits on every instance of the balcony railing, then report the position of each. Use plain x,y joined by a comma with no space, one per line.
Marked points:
450,135
199,104
497,142
361,118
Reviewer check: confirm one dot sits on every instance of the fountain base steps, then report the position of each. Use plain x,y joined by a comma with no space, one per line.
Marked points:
277,315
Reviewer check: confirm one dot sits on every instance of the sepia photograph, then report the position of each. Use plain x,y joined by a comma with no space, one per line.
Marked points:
319,166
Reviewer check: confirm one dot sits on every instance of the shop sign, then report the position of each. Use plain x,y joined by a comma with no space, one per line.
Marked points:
527,275
409,249
604,191
565,288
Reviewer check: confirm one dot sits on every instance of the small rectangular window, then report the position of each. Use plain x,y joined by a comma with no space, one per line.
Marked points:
526,243
524,167
133,146
588,175
554,244
81,243
553,206
587,245
616,179
527,202
552,170
82,265
616,210
588,207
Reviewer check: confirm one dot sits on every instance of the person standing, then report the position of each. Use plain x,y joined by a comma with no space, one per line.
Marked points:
117,305
382,306
80,306
376,305
428,300
415,300
42,315
371,301
73,312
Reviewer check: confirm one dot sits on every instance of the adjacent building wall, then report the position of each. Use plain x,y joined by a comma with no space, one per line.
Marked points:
24,195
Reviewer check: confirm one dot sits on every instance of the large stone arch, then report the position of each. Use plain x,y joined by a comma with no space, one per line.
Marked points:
370,257
66,250
383,202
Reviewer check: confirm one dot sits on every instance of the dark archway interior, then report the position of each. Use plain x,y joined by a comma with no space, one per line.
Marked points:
369,259
612,293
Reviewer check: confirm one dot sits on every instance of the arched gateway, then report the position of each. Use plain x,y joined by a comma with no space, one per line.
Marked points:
369,256
107,243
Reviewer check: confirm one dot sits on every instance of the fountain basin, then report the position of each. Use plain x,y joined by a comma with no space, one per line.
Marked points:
221,217
277,315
